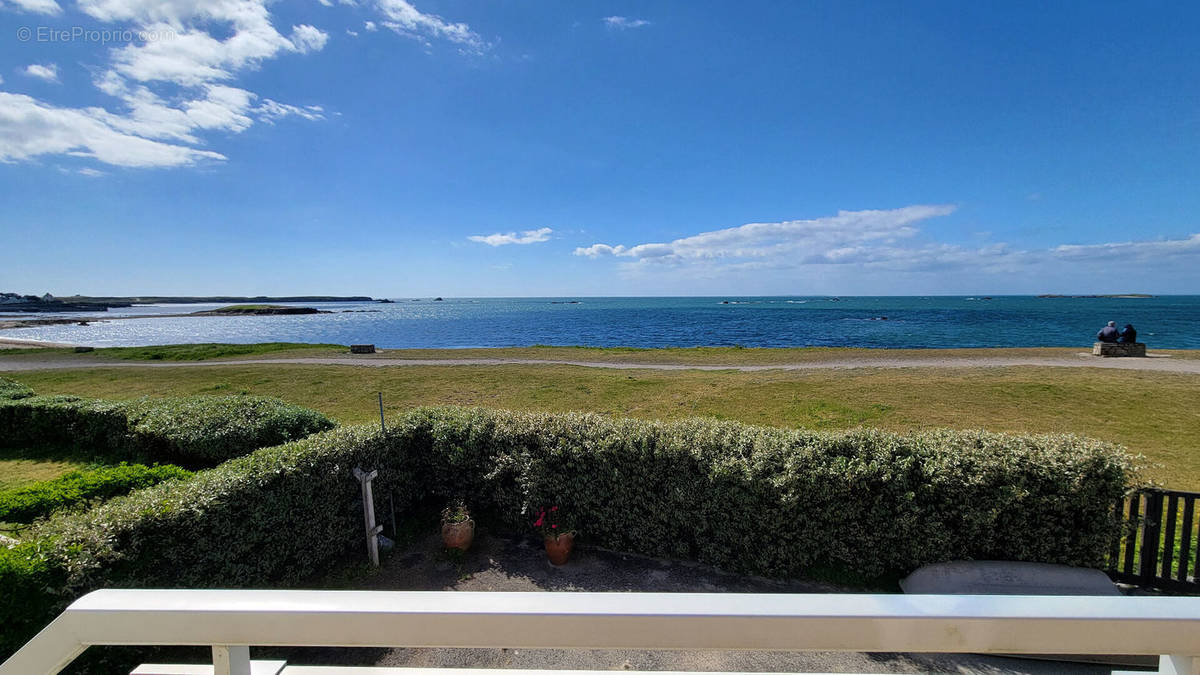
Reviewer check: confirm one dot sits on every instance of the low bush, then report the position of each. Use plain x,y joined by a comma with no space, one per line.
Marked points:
11,390
749,499
30,502
196,431
64,421
207,430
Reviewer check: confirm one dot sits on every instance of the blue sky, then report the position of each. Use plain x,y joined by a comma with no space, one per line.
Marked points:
390,148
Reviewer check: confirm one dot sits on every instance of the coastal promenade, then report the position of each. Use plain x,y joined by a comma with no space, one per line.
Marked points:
396,359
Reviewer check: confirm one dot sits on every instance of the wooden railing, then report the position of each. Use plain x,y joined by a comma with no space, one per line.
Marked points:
1159,549
233,621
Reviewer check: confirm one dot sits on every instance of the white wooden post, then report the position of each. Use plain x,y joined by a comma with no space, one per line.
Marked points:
1175,664
373,530
231,660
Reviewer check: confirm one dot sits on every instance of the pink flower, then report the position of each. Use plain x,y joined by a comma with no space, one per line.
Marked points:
541,519
555,527
553,508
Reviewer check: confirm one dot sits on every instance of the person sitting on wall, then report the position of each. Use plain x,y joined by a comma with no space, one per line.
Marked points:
1109,333
1129,334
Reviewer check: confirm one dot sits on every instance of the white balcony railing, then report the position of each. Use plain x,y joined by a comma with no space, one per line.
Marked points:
232,621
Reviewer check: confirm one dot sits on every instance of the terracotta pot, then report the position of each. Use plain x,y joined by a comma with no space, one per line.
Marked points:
458,535
558,549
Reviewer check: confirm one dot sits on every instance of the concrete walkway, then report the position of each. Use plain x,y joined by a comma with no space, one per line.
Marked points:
500,564
1083,360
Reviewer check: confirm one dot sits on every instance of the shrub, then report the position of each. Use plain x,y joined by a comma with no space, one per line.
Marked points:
11,390
64,421
195,431
276,517
748,499
30,502
207,430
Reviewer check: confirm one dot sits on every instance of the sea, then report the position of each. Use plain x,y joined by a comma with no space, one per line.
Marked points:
889,322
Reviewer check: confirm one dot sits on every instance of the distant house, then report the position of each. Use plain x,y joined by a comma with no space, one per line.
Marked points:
48,298
12,299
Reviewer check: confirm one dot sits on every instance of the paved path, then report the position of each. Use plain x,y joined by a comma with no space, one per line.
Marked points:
1157,364
502,564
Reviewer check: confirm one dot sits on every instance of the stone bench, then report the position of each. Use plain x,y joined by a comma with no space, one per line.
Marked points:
362,349
1119,349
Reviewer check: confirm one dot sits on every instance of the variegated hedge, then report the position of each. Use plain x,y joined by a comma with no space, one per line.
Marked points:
751,499
198,431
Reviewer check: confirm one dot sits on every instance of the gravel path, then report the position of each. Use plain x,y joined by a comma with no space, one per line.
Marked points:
1082,360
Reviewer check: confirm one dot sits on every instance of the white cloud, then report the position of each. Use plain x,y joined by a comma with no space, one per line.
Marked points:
270,111
526,237
91,173
873,250
43,71
30,128
351,33
36,6
370,26
830,239
624,23
307,39
1130,251
169,87
405,19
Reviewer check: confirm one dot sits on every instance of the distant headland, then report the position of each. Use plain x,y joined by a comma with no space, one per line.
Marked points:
1117,295
14,302
258,310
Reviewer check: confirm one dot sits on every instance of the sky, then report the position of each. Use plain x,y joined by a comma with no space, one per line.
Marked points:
504,148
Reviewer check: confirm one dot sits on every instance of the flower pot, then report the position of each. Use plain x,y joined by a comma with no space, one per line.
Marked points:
458,535
558,549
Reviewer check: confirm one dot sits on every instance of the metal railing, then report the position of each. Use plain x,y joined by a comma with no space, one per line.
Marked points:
232,621
1159,549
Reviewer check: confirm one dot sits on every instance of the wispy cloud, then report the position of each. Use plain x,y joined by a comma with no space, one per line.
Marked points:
35,6
624,23
1157,250
841,238
854,247
405,19
43,71
526,237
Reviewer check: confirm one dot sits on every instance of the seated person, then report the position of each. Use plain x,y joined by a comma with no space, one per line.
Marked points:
1108,333
1129,333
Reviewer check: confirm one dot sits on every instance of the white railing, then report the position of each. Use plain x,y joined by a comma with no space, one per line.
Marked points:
232,621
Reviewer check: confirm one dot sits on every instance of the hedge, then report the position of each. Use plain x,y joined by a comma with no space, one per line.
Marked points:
748,499
11,390
30,502
196,431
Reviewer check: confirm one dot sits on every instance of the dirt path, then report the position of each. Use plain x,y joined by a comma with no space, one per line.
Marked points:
1082,360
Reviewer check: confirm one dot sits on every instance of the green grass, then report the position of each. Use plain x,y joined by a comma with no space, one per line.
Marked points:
196,352
205,351
22,466
1157,416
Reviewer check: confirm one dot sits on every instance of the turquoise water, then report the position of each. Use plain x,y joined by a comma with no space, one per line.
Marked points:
1167,322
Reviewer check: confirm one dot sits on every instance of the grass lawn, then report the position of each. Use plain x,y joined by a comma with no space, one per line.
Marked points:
1157,417
21,466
